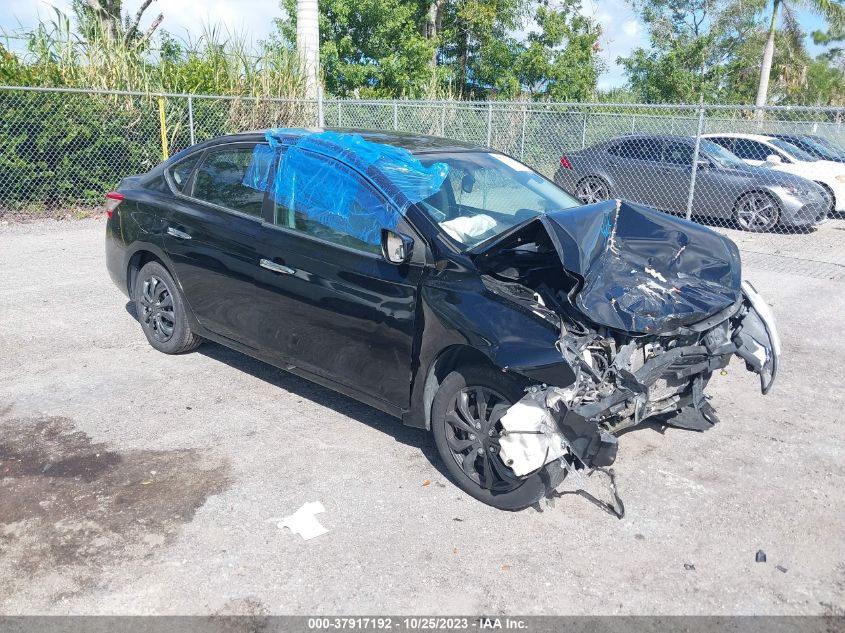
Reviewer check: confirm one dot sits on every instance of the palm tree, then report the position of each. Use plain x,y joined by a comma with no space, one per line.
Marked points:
308,44
832,10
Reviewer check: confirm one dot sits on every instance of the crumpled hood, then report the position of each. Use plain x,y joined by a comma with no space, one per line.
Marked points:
643,271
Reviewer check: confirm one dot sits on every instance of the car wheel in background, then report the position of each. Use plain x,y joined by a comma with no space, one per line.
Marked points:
756,211
161,310
592,189
465,421
831,199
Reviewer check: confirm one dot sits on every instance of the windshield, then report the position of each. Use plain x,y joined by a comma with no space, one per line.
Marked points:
793,150
822,151
485,194
825,142
723,157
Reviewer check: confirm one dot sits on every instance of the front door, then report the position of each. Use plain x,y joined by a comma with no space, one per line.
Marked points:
329,300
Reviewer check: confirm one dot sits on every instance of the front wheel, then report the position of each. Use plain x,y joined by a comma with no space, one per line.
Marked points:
466,423
756,212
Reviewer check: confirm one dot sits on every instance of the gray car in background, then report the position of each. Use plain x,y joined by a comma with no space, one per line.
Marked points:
656,170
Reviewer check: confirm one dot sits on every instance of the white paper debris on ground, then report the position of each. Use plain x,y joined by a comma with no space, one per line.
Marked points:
303,521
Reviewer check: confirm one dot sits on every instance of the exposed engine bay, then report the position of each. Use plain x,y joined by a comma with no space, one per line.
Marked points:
647,308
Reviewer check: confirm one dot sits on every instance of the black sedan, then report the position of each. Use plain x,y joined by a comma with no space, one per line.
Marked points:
447,285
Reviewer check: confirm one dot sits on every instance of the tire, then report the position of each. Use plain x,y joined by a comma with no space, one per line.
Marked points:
484,476
756,212
161,311
831,199
592,189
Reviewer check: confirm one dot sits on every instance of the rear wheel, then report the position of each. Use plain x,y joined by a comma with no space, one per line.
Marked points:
161,311
592,189
466,423
756,212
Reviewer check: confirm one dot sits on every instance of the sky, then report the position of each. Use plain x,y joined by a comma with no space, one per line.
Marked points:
622,32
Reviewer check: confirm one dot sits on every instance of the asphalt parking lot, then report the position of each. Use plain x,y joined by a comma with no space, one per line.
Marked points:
134,482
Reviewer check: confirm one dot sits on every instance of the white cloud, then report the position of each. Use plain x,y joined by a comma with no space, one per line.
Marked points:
621,33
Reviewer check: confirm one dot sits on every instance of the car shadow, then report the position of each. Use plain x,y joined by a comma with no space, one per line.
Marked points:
307,390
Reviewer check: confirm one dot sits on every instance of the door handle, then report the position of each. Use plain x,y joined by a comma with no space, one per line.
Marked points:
277,268
177,233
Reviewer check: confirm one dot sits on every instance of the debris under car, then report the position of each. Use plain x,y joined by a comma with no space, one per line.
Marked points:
665,308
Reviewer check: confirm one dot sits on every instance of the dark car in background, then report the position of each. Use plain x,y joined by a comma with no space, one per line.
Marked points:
447,285
816,146
655,170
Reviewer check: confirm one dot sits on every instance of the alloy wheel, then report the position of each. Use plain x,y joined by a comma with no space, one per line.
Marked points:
592,190
756,212
157,308
473,430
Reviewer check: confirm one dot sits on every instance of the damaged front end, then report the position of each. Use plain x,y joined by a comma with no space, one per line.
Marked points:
648,306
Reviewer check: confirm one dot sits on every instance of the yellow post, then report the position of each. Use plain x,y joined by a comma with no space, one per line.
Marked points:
162,124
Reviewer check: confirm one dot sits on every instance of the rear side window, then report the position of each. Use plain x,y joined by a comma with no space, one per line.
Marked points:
220,181
181,171
637,149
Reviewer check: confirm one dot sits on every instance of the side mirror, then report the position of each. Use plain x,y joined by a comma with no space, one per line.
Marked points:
395,247
774,159
702,164
468,183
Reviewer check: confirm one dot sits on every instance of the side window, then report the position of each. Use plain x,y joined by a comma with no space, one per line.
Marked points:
323,198
677,153
181,171
751,150
637,149
727,143
220,181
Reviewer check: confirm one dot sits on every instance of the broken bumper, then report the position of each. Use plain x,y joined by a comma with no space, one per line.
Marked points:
663,378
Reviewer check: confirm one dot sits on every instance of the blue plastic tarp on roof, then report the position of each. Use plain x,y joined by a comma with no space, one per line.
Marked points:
329,192
258,171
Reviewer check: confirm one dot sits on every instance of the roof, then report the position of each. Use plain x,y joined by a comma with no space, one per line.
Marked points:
415,143
761,138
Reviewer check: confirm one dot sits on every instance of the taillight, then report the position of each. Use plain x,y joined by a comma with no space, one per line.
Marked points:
113,198
564,162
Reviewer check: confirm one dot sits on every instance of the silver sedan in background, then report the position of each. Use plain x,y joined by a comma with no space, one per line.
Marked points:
656,170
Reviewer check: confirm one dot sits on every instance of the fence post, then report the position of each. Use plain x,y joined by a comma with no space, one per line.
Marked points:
320,114
443,120
395,115
489,124
633,123
695,162
522,137
162,126
191,118
339,120
584,132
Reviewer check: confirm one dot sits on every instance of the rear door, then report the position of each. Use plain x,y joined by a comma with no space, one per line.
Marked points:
213,229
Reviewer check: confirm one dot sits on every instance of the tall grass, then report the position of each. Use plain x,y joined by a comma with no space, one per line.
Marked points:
70,51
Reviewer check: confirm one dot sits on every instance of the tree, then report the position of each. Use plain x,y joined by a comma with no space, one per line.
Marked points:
464,48
308,44
832,10
693,46
113,25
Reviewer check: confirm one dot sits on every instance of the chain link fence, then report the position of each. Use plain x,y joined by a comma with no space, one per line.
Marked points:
772,178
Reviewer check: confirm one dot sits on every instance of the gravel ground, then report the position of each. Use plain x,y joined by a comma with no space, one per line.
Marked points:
134,482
